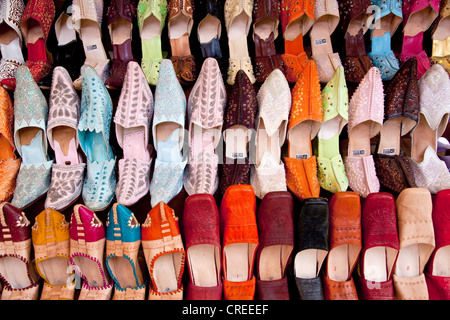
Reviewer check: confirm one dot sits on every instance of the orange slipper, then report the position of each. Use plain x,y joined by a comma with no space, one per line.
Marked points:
164,253
239,242
297,18
9,164
304,123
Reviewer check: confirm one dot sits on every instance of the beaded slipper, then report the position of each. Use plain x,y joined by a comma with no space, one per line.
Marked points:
17,271
50,235
274,100
132,121
206,105
168,136
93,134
123,239
30,137
429,171
151,17
164,253
401,114
330,166
304,123
68,170
365,120
238,18
87,247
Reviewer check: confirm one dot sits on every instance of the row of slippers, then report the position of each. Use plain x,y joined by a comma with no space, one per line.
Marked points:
276,112
77,28
397,248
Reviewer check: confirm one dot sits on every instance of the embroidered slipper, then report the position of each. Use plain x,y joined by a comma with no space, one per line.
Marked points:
17,270
274,101
9,163
151,17
276,244
164,253
87,17
437,270
304,122
429,171
37,19
365,120
440,50
380,247
385,24
239,242
168,136
120,18
418,17
30,137
312,226
266,19
326,14
206,105
132,124
238,18
179,25
11,38
50,236
239,122
201,223
344,247
401,114
68,170
93,134
123,239
297,18
416,236
330,166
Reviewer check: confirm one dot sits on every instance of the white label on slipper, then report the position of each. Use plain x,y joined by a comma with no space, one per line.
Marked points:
388,150
301,156
320,42
92,47
237,155
359,152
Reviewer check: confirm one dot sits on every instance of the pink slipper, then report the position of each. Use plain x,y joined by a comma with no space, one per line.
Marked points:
132,119
365,119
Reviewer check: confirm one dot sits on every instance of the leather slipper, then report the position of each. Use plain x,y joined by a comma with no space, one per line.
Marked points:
416,236
311,248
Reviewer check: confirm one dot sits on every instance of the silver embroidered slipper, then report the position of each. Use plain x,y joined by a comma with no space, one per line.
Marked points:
132,121
206,107
429,171
274,100
93,134
68,170
30,137
168,136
